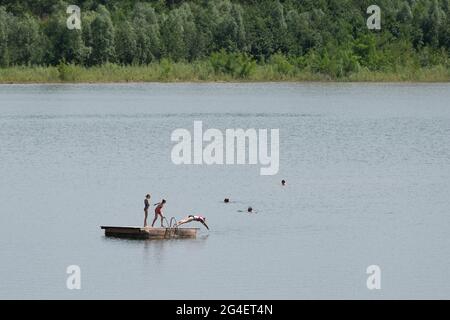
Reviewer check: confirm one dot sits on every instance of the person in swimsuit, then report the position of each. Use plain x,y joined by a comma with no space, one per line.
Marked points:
146,206
158,212
191,218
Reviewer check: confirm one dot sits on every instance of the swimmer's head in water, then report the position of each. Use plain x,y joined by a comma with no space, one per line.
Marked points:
226,200
249,209
283,182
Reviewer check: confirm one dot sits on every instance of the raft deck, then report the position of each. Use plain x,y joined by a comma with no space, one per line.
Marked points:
149,232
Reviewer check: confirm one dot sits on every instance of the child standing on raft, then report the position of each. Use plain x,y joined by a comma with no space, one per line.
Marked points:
146,206
158,212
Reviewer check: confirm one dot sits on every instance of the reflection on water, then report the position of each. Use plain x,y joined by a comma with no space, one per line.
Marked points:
368,177
153,249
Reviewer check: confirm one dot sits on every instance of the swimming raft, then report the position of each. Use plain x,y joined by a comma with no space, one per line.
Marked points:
150,233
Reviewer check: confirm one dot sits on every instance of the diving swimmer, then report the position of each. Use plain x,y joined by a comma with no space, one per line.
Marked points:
191,218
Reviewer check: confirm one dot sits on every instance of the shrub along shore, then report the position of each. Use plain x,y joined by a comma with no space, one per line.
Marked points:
207,71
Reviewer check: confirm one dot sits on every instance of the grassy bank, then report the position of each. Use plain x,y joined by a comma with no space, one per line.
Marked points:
165,71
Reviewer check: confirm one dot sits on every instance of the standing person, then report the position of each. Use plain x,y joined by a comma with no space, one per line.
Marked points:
146,206
158,212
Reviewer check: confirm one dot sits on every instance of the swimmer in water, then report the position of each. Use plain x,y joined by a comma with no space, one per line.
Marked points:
158,212
249,210
283,182
191,218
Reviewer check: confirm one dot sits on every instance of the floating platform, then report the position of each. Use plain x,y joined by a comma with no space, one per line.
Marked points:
149,232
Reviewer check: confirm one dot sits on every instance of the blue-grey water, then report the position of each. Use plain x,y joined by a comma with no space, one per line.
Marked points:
368,183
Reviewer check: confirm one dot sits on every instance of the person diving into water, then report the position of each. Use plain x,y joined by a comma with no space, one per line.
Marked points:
191,218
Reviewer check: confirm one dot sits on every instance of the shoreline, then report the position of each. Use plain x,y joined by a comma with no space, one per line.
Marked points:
203,73
227,82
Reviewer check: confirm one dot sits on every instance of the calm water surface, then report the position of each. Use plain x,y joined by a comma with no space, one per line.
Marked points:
368,182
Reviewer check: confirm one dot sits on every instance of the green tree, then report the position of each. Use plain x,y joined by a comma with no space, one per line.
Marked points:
126,43
178,33
25,43
405,13
300,37
102,37
63,44
4,31
146,26
228,29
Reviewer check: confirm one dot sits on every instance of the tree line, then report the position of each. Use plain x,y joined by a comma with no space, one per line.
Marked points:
327,36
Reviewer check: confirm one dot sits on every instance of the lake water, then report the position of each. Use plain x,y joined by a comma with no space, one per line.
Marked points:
368,183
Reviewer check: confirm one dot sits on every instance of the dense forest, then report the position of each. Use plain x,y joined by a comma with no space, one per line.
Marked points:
318,36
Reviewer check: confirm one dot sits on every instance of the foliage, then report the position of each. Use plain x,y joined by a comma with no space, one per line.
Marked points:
237,65
229,37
